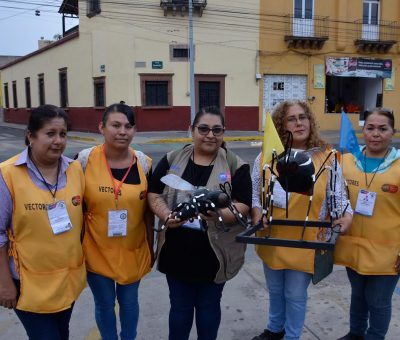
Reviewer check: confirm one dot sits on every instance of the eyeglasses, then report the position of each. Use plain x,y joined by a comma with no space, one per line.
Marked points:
205,130
293,119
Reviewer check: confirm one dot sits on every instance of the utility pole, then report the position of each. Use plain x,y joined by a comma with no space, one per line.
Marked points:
191,62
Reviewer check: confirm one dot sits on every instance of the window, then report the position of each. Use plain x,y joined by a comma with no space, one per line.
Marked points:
62,77
15,96
371,12
93,8
209,94
303,9
6,98
210,91
156,90
42,99
99,85
28,92
180,52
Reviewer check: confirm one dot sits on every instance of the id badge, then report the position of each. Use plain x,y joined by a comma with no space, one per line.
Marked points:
365,202
280,196
58,217
117,223
196,225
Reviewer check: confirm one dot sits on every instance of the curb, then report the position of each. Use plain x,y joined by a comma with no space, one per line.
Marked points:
189,140
86,139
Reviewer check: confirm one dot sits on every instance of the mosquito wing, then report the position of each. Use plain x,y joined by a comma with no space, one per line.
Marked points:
175,182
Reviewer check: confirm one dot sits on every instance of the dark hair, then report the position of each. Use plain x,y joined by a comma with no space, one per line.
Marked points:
121,108
41,115
212,110
388,113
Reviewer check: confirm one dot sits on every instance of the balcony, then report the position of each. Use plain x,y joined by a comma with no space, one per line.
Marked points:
376,38
182,6
306,33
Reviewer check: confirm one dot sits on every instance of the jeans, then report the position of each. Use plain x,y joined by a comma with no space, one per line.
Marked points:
104,292
185,298
371,301
287,300
49,326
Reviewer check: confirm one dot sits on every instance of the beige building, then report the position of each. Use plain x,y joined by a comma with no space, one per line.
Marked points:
137,52
334,54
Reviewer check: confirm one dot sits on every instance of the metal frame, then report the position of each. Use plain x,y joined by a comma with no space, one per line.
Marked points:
246,236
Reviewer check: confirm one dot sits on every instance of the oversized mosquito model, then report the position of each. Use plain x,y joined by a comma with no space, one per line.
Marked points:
295,172
195,201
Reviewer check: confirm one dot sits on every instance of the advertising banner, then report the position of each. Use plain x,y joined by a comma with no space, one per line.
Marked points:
358,67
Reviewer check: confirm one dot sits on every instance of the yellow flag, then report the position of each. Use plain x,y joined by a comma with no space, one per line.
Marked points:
271,140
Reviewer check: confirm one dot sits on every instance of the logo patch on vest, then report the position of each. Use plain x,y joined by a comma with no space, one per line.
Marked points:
225,177
76,200
352,182
143,195
390,188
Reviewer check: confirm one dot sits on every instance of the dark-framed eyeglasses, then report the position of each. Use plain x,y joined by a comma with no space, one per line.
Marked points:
205,130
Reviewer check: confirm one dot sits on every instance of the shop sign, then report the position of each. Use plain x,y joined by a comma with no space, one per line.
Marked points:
359,67
319,77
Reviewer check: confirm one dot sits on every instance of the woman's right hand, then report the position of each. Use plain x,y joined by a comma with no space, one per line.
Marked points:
8,294
173,222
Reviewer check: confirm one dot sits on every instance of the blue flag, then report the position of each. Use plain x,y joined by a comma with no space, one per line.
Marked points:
348,139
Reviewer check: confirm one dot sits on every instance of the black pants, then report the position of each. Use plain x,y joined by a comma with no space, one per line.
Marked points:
49,326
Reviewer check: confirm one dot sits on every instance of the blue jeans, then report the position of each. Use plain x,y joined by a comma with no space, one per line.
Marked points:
49,326
287,300
104,292
371,301
185,297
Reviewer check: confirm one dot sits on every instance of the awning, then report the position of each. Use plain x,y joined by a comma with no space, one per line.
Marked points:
358,67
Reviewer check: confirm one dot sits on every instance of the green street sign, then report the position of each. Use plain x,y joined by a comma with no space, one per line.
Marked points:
157,65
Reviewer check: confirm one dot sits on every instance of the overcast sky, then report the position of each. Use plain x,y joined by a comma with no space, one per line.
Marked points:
20,28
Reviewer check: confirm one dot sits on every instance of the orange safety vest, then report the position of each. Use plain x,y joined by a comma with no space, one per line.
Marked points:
123,259
295,258
50,267
372,244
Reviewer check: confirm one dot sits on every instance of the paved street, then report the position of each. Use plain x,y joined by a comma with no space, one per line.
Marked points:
245,301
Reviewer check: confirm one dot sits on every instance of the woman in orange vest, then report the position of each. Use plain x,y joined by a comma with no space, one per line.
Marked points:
371,249
118,241
42,269
288,271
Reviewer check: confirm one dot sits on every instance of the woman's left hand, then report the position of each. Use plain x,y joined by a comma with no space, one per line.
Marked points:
397,265
344,222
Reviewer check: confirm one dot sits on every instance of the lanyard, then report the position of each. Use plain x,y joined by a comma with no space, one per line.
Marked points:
118,187
53,193
376,170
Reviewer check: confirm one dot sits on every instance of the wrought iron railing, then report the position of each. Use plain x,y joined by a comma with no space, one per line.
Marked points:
196,3
316,27
384,31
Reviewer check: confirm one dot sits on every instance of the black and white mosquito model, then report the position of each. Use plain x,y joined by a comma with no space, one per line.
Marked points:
294,171
197,201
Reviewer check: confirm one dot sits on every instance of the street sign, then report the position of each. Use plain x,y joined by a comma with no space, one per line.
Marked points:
157,64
